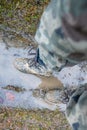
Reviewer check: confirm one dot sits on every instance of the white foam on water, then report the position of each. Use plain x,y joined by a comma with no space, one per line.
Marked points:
9,75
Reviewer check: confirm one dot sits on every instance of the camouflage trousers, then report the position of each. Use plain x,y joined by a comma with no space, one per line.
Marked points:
55,49
76,111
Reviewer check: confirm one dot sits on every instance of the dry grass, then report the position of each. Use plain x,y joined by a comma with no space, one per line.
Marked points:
18,119
21,14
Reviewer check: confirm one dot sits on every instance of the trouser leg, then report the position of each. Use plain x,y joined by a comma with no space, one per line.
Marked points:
76,111
53,46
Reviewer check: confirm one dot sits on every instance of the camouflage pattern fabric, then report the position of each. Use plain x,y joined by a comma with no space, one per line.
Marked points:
76,111
60,35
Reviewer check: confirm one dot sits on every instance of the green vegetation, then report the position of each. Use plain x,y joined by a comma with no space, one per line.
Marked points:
17,119
21,14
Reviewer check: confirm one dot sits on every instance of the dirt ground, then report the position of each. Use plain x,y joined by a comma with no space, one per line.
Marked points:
18,23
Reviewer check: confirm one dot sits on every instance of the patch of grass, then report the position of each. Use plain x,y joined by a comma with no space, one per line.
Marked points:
19,119
21,15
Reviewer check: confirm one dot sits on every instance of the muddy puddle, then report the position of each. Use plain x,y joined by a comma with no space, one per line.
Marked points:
17,88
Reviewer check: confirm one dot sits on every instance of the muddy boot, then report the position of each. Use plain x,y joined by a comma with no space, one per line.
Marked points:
54,97
58,96
32,65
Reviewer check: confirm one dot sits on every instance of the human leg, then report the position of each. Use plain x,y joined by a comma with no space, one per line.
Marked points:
53,47
76,111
